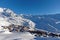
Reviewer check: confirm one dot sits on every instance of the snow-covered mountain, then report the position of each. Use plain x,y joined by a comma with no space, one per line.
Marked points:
8,17
49,23
46,22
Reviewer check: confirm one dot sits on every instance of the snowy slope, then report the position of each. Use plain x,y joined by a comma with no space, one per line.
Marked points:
46,22
8,17
16,36
49,23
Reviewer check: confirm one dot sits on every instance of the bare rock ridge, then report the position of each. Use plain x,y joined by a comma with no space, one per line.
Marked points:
16,28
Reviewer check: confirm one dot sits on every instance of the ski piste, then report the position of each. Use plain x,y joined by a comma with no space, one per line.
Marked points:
35,32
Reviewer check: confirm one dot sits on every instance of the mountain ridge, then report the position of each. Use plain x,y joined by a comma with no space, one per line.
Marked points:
50,23
9,16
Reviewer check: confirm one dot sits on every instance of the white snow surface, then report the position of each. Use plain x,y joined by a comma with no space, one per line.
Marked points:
16,36
58,22
8,17
1,10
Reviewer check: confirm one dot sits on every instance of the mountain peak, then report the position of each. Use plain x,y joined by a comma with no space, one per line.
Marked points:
7,12
8,17
1,9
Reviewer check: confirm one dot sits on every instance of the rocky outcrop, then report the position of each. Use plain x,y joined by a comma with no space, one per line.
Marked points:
19,28
16,28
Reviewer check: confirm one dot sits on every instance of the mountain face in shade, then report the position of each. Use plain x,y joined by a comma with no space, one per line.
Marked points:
50,23
46,22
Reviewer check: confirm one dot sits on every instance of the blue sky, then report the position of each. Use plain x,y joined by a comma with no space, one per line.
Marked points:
32,6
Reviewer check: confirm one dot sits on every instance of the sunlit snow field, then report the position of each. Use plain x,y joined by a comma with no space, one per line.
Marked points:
16,36
49,23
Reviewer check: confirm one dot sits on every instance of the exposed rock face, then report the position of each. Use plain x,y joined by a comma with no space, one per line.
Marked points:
16,28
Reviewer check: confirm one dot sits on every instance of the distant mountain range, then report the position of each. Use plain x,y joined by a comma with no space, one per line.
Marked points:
49,23
46,22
